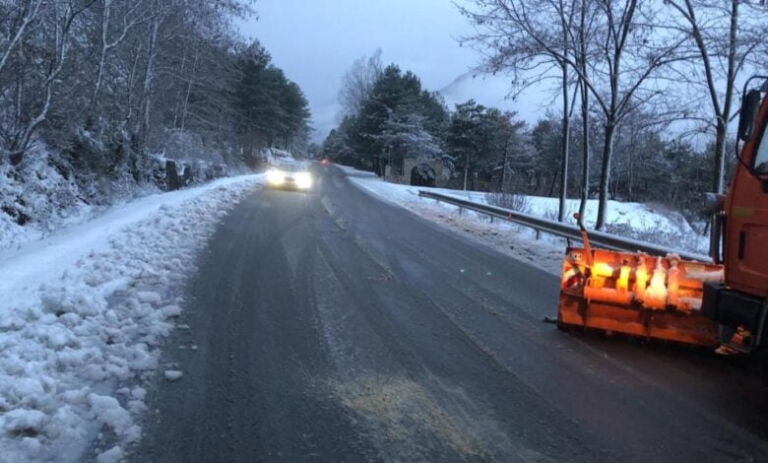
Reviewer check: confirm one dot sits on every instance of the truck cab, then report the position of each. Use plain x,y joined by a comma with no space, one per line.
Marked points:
739,302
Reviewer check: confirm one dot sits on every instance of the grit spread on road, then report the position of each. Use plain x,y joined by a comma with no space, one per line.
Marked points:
331,326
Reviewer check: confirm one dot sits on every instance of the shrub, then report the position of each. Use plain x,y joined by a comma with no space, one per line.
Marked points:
515,202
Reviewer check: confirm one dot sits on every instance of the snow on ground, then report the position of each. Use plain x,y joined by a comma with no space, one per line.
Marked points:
45,197
634,219
645,222
83,314
637,216
45,193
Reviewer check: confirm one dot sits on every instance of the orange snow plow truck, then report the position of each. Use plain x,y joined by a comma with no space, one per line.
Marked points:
721,304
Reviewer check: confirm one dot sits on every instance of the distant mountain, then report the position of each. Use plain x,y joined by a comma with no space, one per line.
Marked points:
492,90
485,89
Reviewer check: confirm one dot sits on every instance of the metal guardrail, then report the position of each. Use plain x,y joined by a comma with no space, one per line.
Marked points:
600,239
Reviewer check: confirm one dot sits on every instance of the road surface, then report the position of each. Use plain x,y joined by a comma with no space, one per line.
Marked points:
331,326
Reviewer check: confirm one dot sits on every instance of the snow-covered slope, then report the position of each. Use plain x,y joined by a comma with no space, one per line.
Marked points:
83,314
46,192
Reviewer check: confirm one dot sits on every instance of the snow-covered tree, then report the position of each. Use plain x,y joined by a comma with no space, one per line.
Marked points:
98,92
405,137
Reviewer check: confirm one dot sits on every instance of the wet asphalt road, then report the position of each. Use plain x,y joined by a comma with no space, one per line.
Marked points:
330,326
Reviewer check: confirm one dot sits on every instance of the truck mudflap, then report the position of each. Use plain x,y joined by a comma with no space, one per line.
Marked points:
637,295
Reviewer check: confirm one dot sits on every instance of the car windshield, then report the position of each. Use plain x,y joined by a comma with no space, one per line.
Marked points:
292,167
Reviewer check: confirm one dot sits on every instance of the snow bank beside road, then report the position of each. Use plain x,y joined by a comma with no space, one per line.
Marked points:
83,313
636,216
47,192
508,238
519,241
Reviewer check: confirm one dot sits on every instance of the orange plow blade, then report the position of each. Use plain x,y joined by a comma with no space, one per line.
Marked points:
637,295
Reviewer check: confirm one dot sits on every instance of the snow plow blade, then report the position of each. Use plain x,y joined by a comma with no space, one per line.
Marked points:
637,295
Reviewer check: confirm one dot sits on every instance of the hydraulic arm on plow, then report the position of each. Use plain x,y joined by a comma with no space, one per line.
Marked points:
722,305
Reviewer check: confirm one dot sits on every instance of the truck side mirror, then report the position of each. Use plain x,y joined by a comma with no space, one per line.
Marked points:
749,107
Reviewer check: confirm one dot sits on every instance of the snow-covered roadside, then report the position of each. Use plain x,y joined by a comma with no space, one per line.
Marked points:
635,216
83,314
45,193
633,220
513,240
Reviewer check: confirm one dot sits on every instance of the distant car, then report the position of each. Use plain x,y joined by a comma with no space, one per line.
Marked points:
325,162
289,176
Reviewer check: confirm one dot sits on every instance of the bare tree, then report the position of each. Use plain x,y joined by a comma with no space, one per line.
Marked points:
20,16
516,53
66,64
566,15
149,74
61,17
724,44
131,14
625,54
583,33
358,81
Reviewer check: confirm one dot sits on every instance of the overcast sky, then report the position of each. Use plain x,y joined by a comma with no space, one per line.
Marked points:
315,42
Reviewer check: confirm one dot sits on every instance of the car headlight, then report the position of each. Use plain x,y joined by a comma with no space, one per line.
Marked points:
275,177
303,180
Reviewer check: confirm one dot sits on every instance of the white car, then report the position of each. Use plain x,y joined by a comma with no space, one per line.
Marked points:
293,176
